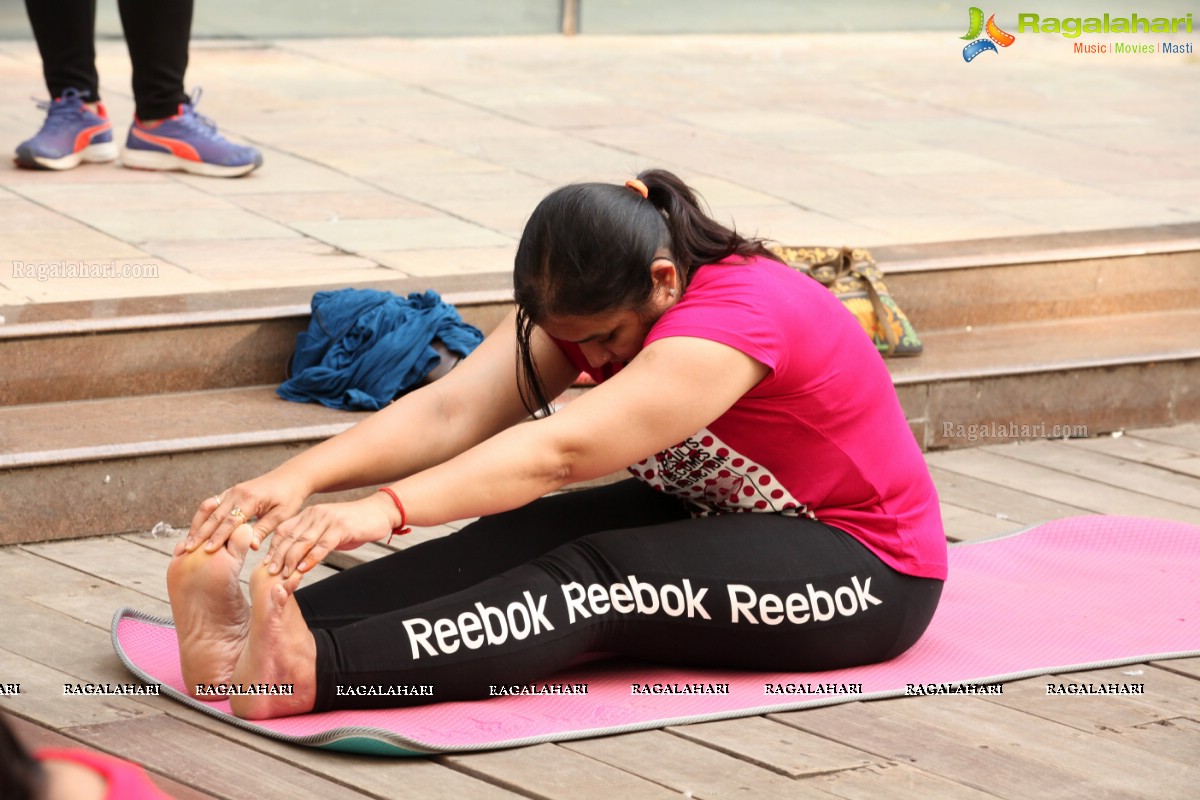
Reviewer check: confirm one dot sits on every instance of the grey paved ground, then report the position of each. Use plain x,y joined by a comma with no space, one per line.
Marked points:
273,19
424,156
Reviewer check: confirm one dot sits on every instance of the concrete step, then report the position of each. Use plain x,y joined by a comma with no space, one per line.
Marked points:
69,352
1027,278
81,351
116,415
1052,379
1067,282
126,463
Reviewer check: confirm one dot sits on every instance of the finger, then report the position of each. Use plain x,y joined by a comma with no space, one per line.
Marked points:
207,506
315,555
311,528
266,524
212,524
285,535
224,529
298,552
205,510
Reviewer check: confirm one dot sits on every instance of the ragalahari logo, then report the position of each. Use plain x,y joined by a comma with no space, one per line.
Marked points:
995,36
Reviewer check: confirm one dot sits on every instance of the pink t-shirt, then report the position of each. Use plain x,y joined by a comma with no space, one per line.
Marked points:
126,780
823,435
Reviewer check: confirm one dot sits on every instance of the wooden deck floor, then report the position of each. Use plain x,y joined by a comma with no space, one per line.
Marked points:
56,601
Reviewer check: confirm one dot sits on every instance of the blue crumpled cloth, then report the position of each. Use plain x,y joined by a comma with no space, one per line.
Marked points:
365,347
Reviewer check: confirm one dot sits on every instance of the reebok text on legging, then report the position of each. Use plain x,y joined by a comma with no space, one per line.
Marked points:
617,569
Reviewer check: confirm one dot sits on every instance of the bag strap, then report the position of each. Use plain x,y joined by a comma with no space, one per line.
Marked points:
854,262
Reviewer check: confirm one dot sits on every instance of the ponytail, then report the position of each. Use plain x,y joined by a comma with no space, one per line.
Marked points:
696,238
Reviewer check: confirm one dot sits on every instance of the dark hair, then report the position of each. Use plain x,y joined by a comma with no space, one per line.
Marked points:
21,775
588,247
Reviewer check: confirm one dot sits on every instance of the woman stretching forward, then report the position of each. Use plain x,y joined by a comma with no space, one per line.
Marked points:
780,515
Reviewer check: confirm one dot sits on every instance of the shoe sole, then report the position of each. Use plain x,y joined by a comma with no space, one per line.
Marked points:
93,153
148,159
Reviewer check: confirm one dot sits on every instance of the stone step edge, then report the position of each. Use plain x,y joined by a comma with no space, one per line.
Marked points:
1038,249
894,259
76,455
1184,352
186,319
1191,354
314,433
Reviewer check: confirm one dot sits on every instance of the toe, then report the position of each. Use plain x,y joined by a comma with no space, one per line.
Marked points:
279,596
240,541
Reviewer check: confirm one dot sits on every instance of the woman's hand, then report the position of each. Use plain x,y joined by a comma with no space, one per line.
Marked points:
272,498
301,542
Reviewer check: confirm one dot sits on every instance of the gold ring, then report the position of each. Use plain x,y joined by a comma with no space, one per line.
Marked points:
237,512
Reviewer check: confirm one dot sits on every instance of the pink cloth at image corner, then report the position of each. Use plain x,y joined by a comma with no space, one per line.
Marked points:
126,780
1072,593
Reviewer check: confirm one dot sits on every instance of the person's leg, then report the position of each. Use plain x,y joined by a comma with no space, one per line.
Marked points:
167,133
480,550
65,31
157,34
785,594
76,128
281,646
752,591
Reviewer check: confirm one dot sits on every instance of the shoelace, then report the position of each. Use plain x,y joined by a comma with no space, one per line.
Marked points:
62,111
196,121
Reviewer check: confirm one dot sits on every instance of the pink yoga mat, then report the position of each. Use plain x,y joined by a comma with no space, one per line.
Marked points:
1077,593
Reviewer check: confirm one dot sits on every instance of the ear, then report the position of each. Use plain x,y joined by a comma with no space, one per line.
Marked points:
664,276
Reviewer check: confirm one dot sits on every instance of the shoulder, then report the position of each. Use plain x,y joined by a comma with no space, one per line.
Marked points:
758,285
739,270
737,302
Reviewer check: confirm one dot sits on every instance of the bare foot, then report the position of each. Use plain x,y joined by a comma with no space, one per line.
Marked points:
212,619
280,652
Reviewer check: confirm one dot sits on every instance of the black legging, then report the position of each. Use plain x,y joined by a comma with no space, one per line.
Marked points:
514,597
156,31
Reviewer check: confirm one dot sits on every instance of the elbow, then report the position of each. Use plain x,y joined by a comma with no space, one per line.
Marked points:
555,452
560,467
569,460
447,407
563,475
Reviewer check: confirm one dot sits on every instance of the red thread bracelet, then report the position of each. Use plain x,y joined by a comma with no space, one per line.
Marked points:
399,529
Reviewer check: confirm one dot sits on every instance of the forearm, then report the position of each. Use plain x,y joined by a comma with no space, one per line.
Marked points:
512,468
413,433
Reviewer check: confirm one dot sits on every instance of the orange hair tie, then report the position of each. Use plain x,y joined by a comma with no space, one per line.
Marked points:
638,187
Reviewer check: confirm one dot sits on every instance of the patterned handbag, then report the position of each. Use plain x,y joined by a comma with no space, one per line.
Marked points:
855,279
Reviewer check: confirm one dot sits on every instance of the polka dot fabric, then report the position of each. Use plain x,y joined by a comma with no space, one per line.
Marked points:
713,478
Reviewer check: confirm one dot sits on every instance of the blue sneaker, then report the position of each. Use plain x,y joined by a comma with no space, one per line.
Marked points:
71,133
190,142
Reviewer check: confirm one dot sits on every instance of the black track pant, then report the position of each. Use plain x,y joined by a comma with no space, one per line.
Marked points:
156,31
619,569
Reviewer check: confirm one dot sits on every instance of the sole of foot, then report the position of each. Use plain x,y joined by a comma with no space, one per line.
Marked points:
280,655
212,618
